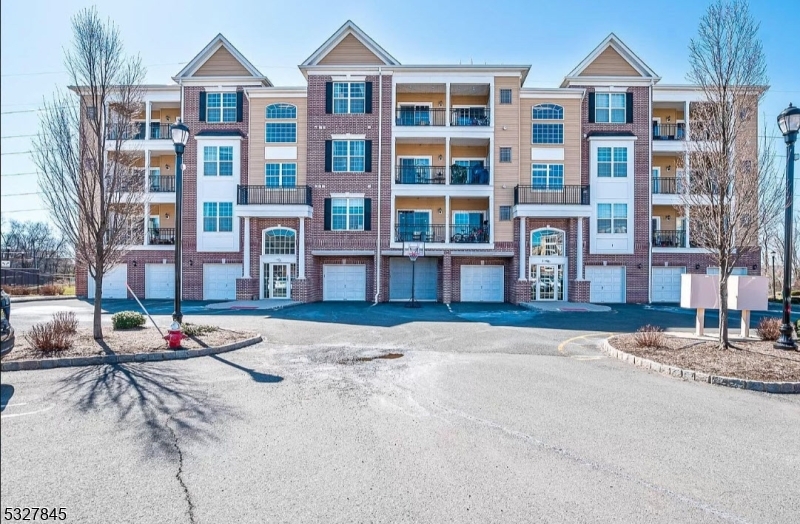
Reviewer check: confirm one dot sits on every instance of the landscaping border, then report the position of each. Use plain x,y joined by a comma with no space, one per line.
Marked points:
698,376
181,354
21,299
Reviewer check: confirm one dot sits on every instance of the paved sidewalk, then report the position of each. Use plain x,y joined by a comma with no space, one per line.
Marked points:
253,304
566,307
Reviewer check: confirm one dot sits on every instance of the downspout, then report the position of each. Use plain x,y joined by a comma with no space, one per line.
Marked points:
380,165
650,193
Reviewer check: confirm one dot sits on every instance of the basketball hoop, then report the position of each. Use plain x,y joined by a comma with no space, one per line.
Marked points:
414,250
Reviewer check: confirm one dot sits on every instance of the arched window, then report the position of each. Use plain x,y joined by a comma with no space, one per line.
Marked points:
279,241
548,112
547,242
281,111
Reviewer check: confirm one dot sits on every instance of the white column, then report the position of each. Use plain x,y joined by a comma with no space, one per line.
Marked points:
686,120
148,111
579,249
447,108
447,157
146,170
490,160
686,225
447,219
301,251
246,261
146,223
523,242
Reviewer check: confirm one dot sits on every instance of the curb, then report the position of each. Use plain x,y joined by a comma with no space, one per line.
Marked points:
23,298
181,354
697,376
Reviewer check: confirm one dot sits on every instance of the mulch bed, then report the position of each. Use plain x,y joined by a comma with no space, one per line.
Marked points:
127,341
751,360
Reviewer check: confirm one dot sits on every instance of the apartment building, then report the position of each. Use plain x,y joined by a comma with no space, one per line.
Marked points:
518,194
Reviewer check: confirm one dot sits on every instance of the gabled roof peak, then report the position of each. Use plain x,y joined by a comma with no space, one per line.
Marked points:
349,28
217,43
613,42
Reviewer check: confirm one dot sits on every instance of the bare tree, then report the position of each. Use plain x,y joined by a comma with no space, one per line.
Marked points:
88,176
727,62
33,245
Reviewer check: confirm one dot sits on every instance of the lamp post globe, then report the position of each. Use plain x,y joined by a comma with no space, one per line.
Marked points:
789,124
180,137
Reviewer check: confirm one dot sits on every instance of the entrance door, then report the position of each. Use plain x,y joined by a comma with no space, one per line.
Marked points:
277,281
547,282
656,180
415,171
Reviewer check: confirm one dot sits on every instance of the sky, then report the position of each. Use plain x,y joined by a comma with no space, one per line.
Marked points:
276,36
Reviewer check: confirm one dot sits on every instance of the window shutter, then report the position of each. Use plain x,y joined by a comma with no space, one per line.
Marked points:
239,106
368,97
202,106
368,156
367,214
328,97
327,218
629,108
328,156
591,108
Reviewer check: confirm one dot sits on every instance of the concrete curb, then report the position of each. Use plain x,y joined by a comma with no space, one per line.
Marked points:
697,376
181,354
42,298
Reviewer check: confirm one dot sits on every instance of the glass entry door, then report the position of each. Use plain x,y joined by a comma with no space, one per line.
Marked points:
277,281
547,281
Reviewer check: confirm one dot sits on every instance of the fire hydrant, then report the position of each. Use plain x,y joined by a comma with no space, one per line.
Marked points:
174,336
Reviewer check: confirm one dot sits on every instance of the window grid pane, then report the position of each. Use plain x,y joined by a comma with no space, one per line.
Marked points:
281,111
213,107
505,154
288,175
548,112
226,216
610,107
281,132
505,96
548,133
209,216
272,175
279,242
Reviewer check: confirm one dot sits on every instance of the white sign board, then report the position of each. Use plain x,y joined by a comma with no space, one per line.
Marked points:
699,291
747,293
414,249
6,263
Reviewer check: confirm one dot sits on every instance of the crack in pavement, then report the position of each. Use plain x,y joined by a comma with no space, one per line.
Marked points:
179,474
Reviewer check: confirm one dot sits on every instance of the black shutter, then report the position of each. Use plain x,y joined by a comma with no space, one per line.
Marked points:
629,108
328,156
329,97
368,98
367,214
368,156
327,217
591,108
239,106
202,106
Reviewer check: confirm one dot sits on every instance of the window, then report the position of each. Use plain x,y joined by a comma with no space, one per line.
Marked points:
279,241
505,154
218,161
505,96
280,175
505,213
609,107
547,176
469,223
221,107
348,155
548,133
281,132
347,214
348,97
281,111
91,112
547,242
548,112
218,216
612,162
612,218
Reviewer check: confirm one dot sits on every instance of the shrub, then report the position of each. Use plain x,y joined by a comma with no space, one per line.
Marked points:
19,290
52,290
196,330
649,336
797,327
127,320
49,337
66,321
769,328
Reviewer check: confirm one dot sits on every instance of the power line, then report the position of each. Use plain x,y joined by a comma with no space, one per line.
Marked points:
22,194
20,174
17,136
18,153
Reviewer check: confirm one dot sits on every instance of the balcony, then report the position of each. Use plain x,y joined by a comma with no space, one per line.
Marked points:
475,175
563,196
161,184
264,195
420,233
420,116
138,131
669,131
667,186
669,238
161,236
468,234
470,116
420,174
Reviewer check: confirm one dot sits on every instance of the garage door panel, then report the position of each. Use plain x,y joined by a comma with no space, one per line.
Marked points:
219,281
482,283
606,283
114,283
344,282
426,279
666,285
159,281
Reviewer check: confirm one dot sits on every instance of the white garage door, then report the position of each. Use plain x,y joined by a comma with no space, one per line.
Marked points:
607,283
426,276
113,283
219,281
482,283
159,281
344,282
667,284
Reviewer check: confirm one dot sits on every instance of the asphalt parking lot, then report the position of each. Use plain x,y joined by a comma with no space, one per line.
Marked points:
491,414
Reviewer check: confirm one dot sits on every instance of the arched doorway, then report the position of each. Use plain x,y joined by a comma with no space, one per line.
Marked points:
278,262
548,263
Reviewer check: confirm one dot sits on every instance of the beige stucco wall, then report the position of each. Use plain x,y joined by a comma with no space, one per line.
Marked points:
222,63
257,142
507,134
572,138
609,63
350,51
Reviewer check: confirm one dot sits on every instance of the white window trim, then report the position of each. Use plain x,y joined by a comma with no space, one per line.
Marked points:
548,164
557,259
349,98
628,223
548,122
349,157
280,121
280,175
218,216
347,214
613,163
221,107
285,255
217,175
610,108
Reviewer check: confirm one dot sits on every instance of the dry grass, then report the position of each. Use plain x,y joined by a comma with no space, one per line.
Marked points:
769,328
649,336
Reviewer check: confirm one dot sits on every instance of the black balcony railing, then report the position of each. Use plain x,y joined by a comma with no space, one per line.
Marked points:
420,175
138,131
469,234
420,116
162,183
563,195
669,238
255,195
474,175
160,131
420,233
161,236
669,131
470,116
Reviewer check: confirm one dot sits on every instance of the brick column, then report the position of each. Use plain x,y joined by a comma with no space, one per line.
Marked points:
447,279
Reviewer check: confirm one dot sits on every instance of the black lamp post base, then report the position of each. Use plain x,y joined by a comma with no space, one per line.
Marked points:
785,342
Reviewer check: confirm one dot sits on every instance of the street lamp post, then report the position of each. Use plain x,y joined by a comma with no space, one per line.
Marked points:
774,290
789,123
180,137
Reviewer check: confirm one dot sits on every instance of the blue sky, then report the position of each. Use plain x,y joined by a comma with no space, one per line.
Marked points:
552,37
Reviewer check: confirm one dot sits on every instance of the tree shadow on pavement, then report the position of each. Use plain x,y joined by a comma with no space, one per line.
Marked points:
257,376
159,401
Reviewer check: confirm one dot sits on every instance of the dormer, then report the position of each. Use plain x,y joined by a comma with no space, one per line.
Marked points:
348,46
611,62
220,62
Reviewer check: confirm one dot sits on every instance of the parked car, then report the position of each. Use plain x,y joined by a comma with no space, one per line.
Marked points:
5,324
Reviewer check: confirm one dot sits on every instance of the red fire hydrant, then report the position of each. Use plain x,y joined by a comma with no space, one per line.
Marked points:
174,336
